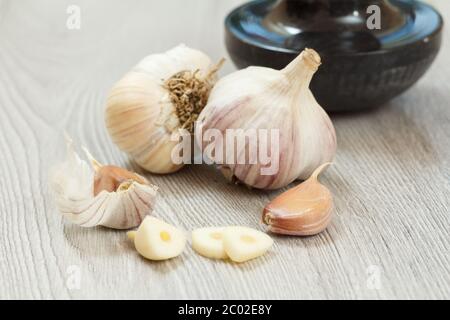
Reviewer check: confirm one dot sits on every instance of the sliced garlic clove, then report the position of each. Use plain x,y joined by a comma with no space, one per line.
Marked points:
158,240
100,195
242,243
208,242
301,211
131,235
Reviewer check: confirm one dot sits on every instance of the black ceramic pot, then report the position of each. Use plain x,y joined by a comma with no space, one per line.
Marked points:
362,67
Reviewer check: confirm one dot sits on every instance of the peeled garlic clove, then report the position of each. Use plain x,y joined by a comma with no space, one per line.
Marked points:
161,94
108,196
301,211
274,104
208,242
242,243
131,235
158,240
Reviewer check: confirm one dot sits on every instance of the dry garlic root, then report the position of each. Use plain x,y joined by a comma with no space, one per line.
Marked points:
161,94
301,211
157,240
237,243
93,195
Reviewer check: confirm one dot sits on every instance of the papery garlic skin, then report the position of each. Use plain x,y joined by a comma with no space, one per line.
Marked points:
304,210
140,116
72,183
264,98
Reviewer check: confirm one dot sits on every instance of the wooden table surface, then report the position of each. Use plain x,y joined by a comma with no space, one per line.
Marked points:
389,237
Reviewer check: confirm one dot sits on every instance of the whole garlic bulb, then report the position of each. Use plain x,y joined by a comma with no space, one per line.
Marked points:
100,195
262,98
162,93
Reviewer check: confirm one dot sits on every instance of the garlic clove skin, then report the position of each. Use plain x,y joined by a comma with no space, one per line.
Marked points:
140,115
90,198
263,98
242,244
112,178
208,242
158,240
301,211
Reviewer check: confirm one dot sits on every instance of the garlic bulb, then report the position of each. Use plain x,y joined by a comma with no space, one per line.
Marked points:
269,101
162,93
100,195
303,210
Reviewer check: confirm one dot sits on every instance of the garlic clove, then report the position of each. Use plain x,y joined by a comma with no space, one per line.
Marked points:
269,101
161,94
243,244
158,240
303,210
112,178
106,196
208,242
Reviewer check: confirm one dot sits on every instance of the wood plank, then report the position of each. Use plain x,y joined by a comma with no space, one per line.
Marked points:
390,180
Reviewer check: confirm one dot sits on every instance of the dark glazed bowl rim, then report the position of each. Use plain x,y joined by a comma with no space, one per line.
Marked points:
231,29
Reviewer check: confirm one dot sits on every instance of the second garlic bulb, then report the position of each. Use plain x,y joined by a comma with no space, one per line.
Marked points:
261,99
163,93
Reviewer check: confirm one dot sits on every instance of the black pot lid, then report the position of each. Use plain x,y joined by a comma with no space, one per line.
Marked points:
287,27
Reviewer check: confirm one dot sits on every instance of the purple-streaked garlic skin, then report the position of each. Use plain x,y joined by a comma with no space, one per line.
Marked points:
304,210
297,224
263,98
98,195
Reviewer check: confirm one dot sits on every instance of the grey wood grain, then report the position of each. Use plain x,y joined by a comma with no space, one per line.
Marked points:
390,181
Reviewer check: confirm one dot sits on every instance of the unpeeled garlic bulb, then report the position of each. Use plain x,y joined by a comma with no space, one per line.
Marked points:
301,211
161,94
157,240
92,195
261,99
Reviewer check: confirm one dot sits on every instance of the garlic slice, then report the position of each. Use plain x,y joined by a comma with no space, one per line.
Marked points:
108,196
208,242
158,240
131,235
242,244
